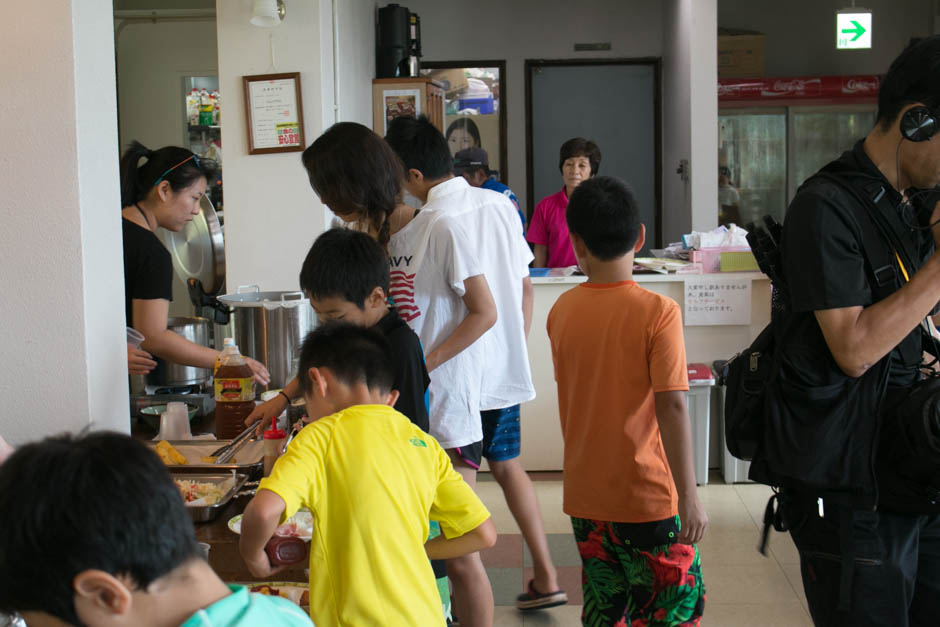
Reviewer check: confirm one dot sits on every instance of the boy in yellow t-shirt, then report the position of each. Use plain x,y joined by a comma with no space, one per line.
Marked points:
372,480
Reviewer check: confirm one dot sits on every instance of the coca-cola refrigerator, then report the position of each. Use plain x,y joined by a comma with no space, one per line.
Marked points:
776,132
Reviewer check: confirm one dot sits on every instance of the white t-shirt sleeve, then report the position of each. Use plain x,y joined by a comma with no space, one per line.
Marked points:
457,250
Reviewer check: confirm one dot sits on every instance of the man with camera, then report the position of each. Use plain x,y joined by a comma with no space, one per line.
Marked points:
851,413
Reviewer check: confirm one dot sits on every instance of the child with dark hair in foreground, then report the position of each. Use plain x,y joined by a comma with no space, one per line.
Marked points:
372,480
94,532
629,484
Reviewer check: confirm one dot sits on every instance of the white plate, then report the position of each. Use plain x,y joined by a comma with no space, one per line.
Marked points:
300,525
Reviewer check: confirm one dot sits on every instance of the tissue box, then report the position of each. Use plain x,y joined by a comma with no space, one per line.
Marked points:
735,259
738,261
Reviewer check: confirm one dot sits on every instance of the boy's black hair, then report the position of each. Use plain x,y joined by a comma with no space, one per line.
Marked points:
914,76
580,147
352,353
68,504
602,211
344,263
420,146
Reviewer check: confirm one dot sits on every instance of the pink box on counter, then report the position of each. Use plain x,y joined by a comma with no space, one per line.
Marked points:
710,258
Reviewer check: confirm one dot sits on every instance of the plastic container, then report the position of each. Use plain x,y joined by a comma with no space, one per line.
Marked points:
234,395
134,337
483,105
286,550
273,447
701,381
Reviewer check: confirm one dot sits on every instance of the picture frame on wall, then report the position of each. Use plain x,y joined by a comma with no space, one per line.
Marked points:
274,110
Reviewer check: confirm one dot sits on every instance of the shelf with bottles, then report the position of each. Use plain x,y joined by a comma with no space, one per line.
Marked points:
201,128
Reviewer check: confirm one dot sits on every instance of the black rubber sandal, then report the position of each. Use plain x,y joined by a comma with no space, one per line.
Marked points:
535,600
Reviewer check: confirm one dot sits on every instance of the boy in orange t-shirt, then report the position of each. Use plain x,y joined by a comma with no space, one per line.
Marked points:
629,484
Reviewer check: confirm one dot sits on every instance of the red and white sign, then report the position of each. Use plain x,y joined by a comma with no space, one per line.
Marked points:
808,87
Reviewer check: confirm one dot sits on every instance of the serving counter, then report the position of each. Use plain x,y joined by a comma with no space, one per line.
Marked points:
224,557
541,431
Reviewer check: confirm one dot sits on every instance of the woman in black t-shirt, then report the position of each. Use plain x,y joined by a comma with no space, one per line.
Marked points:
163,192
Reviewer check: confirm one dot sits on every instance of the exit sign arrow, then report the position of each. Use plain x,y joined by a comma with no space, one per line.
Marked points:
858,31
853,29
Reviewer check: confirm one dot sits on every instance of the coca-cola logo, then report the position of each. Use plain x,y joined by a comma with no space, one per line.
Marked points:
856,85
731,90
792,87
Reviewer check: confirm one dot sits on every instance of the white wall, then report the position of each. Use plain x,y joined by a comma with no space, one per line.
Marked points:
690,117
703,116
271,214
152,60
677,123
534,29
356,42
64,364
801,33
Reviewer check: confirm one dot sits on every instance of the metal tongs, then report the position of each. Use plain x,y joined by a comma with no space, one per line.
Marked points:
294,430
224,454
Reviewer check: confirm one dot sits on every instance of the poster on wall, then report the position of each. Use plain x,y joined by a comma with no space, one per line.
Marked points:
400,102
275,113
713,301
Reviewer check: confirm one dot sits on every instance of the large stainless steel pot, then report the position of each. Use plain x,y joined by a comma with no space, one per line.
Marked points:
269,326
169,374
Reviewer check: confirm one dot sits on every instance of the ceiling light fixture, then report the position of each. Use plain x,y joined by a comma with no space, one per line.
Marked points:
268,13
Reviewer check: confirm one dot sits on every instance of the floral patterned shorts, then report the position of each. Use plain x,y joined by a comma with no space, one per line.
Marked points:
637,575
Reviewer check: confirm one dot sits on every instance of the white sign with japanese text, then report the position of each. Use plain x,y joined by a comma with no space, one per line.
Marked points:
711,300
275,121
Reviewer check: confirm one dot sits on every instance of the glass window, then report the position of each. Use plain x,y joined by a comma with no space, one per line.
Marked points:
764,155
752,166
821,136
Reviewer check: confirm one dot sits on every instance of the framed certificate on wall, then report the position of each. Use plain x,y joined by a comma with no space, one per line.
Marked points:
274,111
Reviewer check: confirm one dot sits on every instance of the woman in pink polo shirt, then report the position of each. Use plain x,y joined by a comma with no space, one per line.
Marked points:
578,161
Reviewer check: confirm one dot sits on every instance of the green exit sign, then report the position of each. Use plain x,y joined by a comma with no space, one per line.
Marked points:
853,29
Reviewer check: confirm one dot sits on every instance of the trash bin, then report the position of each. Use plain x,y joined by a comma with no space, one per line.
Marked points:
733,470
701,381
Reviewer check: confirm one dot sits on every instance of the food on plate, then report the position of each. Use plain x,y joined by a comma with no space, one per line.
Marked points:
205,492
210,459
169,455
298,593
299,525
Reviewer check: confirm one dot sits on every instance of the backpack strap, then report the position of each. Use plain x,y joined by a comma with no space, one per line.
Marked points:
881,255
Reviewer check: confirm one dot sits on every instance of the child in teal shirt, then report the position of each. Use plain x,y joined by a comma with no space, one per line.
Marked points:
95,533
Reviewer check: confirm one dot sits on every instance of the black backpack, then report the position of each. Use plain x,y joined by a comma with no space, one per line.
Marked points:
762,408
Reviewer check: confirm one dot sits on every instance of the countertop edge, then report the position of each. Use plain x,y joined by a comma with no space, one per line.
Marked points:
655,278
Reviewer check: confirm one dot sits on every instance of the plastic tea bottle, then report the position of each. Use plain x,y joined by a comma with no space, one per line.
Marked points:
192,107
234,395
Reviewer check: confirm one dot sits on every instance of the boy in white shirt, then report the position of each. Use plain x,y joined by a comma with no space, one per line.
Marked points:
490,232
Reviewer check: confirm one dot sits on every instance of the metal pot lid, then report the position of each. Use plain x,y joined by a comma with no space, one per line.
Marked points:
252,296
198,251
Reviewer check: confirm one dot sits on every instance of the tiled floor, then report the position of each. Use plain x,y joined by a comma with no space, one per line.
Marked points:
744,588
